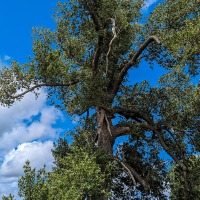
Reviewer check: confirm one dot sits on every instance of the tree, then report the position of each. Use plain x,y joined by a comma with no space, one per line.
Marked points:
79,172
32,186
10,197
176,180
85,64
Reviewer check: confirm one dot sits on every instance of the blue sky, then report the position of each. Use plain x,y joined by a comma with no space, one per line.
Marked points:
28,128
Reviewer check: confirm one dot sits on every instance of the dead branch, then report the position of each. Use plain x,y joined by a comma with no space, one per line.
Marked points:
108,125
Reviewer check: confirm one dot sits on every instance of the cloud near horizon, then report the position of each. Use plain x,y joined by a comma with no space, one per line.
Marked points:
27,131
38,153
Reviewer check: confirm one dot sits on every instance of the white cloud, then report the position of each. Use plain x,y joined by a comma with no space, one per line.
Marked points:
25,109
37,153
26,121
9,188
26,129
12,168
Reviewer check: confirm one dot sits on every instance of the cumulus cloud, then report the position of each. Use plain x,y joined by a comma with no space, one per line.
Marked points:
25,109
41,128
27,131
9,188
37,153
26,121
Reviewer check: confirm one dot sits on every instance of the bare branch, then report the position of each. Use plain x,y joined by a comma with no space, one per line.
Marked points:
108,125
41,85
133,61
110,44
133,174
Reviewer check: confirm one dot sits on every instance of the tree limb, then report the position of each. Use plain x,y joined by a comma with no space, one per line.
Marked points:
97,53
163,144
132,62
120,130
42,85
133,174
90,8
132,113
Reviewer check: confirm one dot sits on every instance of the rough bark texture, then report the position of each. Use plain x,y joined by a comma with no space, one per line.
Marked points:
105,138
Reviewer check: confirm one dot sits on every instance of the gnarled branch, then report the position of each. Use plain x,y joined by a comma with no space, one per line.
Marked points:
120,130
133,174
133,113
132,62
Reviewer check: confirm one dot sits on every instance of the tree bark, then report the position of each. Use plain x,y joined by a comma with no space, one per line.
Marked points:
105,137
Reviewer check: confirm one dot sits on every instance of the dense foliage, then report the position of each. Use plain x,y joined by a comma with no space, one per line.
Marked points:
87,67
176,180
78,172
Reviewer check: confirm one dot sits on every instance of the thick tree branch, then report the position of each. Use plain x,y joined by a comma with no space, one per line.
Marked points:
41,85
120,130
132,62
133,174
163,144
134,114
90,7
97,53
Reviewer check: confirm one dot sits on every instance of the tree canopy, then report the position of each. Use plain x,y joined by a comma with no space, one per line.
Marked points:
176,179
85,66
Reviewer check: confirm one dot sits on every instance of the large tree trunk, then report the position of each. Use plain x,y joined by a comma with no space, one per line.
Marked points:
105,138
